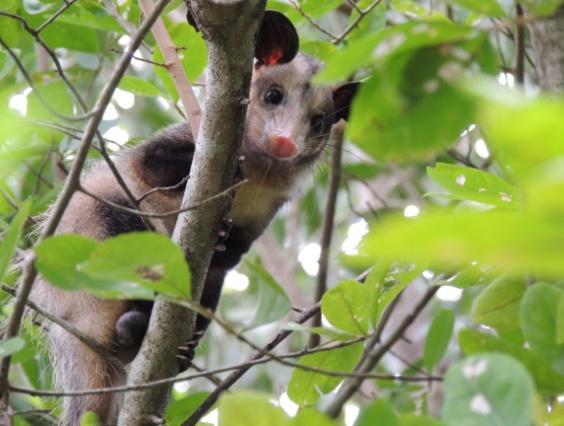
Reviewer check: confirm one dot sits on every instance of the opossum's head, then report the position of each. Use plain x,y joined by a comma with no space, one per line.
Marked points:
289,118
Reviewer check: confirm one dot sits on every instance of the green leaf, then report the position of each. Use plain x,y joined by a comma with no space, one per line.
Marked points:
57,98
483,7
542,7
414,420
362,171
380,413
322,50
511,120
72,36
138,86
487,389
10,28
393,40
465,183
274,303
12,237
473,275
316,8
178,410
512,242
11,346
438,338
58,259
412,8
539,311
246,408
311,417
90,419
385,283
305,387
347,307
560,321
498,304
548,380
409,109
96,19
150,260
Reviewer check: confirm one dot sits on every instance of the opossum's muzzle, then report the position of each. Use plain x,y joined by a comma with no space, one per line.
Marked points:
282,147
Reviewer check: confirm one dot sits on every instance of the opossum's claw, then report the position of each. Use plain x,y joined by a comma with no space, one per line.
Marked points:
219,248
184,356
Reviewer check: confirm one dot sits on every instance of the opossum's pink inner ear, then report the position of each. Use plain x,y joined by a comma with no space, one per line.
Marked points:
277,40
342,99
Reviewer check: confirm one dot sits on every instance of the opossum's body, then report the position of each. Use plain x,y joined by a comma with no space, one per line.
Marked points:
287,126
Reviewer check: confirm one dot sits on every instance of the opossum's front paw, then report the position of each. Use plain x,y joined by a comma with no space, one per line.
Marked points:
131,327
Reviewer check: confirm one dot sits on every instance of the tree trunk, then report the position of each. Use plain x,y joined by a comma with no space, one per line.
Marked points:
229,28
548,44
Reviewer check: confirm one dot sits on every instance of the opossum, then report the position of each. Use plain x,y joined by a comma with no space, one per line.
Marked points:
287,125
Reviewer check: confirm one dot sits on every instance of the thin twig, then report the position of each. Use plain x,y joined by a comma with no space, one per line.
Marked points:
328,224
165,214
354,5
520,47
461,158
140,59
55,15
111,8
163,189
361,15
318,27
210,373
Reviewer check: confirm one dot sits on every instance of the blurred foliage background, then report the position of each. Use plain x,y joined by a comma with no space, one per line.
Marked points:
451,176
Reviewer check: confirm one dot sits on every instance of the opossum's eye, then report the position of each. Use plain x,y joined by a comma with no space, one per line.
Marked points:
317,123
273,97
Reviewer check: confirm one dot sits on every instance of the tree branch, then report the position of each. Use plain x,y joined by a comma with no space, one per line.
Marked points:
175,69
520,48
328,223
548,46
229,29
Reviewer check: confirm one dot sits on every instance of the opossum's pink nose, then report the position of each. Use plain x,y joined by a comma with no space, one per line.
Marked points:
283,147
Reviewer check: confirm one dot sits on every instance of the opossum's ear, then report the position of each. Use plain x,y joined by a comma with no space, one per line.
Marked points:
277,40
342,99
